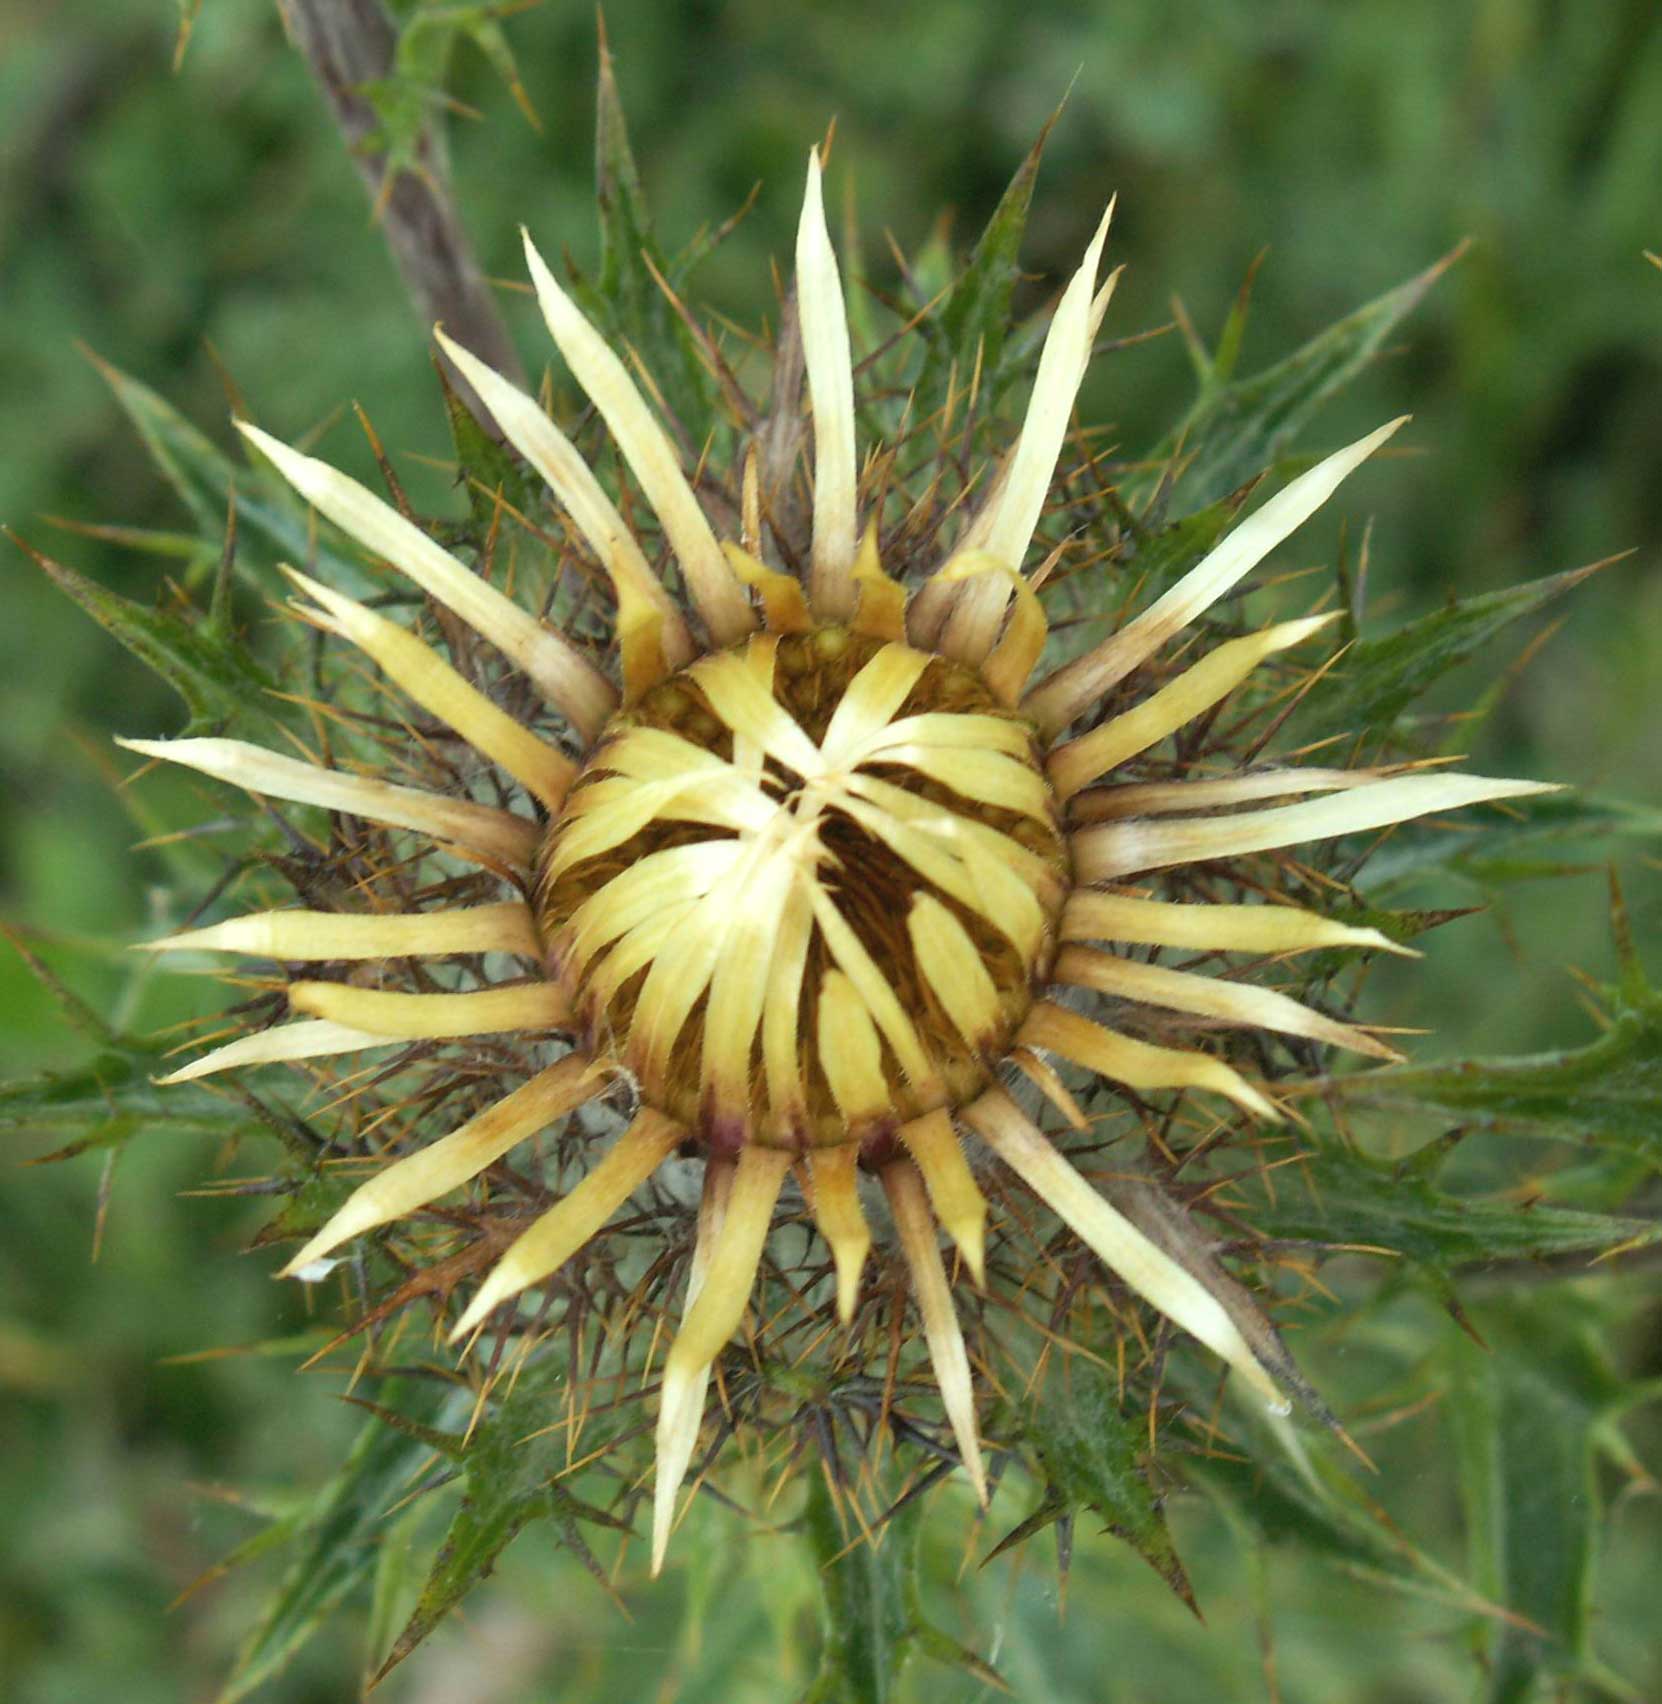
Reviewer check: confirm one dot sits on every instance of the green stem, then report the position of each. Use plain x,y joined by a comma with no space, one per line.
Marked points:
864,1611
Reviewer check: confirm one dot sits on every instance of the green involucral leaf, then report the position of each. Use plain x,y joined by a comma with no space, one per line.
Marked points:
272,524
224,689
1525,840
198,473
1094,1456
336,1540
968,330
1085,607
625,300
102,1104
1321,1511
487,467
625,222
1607,1094
509,1470
1339,1198
106,1102
1377,679
1524,1420
1238,428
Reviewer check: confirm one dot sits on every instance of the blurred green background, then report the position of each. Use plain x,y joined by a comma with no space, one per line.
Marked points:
203,220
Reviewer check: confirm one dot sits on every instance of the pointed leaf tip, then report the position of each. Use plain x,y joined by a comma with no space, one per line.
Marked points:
215,676
973,323
1238,426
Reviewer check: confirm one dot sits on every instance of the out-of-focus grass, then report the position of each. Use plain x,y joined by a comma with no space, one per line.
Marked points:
206,221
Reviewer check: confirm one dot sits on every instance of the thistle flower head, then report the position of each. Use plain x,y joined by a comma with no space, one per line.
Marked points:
815,856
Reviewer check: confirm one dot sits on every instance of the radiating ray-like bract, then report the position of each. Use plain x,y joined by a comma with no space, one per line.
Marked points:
713,586
451,1161
1060,698
297,936
544,771
941,1330
825,352
480,828
318,1039
566,678
712,1316
1014,511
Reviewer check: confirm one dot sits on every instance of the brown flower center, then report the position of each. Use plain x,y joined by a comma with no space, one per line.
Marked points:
804,889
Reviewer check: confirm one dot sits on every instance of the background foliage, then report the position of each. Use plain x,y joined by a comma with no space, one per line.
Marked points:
199,221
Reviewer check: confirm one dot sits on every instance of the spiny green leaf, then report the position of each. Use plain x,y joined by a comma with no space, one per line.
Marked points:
425,44
941,1647
929,272
336,1539
1524,1421
102,1103
188,548
1492,847
479,1534
864,1621
625,222
1085,606
185,457
107,1101
1094,1456
969,328
1220,365
1320,1511
872,1617
407,99
1606,1095
271,520
625,300
221,684
398,1567
451,1445
76,1012
1238,428
1339,1198
509,1469
1377,679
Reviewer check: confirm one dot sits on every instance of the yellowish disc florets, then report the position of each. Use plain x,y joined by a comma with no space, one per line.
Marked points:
804,889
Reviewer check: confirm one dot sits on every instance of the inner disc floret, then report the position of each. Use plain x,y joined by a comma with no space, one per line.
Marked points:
804,889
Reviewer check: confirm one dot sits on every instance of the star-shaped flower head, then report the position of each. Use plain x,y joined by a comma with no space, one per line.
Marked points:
823,863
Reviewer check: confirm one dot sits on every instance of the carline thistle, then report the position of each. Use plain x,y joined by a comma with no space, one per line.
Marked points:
821,862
